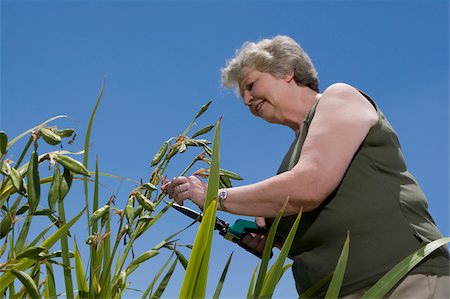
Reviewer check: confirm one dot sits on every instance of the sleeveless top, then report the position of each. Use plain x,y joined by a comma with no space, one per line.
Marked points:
378,202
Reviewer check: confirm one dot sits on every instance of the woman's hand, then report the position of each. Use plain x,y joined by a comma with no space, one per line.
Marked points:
182,188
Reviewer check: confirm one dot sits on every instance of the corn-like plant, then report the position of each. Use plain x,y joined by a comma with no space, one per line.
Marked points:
28,265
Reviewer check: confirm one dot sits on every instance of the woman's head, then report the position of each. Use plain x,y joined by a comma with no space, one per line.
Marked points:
278,56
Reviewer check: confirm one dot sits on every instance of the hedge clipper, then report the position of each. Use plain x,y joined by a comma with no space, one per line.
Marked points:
233,233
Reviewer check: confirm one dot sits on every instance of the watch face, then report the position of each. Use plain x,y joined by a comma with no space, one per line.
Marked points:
223,194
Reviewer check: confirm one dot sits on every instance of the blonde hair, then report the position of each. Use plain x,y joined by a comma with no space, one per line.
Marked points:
277,56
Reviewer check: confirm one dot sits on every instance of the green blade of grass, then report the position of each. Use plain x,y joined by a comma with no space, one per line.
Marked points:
86,152
251,286
153,282
79,271
339,272
222,278
315,288
275,273
391,278
267,253
49,285
163,284
67,270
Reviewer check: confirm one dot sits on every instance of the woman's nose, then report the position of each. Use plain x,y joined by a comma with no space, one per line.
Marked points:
247,98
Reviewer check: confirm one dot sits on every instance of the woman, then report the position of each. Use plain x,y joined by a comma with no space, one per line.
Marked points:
344,169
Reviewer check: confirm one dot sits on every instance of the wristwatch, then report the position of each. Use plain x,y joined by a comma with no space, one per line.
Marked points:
223,194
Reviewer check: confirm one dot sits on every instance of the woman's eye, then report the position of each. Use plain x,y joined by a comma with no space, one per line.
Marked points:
250,86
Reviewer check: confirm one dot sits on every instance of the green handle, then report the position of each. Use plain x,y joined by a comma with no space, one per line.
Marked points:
241,226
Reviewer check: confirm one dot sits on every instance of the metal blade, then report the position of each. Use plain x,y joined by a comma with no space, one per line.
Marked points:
220,225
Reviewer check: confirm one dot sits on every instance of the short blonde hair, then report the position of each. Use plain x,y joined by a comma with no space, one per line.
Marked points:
277,56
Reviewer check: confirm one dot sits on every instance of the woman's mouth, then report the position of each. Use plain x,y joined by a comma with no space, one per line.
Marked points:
259,105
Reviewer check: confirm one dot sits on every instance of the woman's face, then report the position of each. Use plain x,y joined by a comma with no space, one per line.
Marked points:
264,94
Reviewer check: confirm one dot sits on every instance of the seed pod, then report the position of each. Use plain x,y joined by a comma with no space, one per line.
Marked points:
197,142
230,174
34,186
161,152
5,226
145,202
65,133
90,240
202,109
138,211
99,213
145,256
16,180
225,181
5,168
28,283
65,183
149,186
172,151
202,131
43,212
22,209
3,142
122,280
129,209
71,164
49,136
31,253
145,219
53,193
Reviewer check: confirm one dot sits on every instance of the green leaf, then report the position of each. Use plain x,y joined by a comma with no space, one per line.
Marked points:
163,284
49,286
251,286
222,278
153,282
339,272
274,275
391,278
315,288
202,131
86,150
79,271
194,283
27,282
145,256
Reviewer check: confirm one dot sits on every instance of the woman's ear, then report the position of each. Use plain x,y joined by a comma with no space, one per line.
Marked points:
289,76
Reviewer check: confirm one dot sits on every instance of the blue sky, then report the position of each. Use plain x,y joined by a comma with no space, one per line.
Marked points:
161,61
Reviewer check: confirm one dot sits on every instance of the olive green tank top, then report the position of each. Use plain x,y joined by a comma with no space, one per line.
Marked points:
378,202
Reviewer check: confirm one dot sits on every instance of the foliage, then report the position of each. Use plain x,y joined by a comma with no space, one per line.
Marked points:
31,261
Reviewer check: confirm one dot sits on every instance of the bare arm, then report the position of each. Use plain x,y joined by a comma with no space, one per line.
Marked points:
342,120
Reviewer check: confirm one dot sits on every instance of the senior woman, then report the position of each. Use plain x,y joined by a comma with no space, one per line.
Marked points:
344,169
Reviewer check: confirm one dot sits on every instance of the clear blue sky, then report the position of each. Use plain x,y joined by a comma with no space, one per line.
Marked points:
161,61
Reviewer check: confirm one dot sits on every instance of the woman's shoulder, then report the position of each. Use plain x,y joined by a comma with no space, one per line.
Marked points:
341,90
347,99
